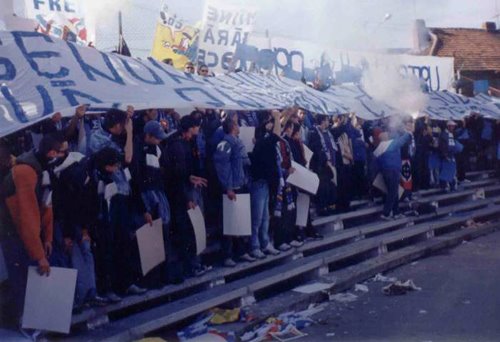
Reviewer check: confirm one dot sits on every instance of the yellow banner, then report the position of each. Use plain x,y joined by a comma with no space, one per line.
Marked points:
179,45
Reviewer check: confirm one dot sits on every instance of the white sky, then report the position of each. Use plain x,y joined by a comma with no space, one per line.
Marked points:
341,23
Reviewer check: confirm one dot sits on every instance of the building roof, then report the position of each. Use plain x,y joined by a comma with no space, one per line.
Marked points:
473,49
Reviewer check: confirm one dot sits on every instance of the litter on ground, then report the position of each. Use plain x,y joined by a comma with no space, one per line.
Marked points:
400,288
381,278
361,288
345,297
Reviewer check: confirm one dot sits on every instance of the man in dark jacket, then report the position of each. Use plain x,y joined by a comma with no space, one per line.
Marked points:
183,179
264,173
148,180
73,218
323,163
448,148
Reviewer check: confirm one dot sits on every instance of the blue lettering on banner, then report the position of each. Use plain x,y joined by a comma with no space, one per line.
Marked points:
71,96
55,5
89,70
211,59
156,79
240,103
424,73
183,93
16,106
175,76
10,69
32,56
63,83
48,105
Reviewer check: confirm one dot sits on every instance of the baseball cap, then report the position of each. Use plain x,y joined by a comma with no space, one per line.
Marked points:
154,129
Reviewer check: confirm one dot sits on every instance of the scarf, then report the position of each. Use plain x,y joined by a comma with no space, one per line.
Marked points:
329,157
284,195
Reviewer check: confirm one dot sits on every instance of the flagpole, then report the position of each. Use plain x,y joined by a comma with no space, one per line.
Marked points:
120,28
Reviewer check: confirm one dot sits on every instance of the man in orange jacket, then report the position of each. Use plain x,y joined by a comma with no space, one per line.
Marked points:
27,193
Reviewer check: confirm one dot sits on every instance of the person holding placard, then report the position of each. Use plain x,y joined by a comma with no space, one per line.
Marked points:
147,170
231,163
117,253
182,180
28,240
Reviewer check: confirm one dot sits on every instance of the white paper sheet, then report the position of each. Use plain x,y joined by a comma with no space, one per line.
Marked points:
200,232
304,179
308,155
247,135
312,288
49,300
303,202
151,246
379,183
237,216
152,160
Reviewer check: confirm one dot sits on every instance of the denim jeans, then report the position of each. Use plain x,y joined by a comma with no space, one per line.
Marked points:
391,179
259,197
17,262
81,259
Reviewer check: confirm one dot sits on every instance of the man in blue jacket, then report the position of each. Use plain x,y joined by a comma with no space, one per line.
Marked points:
231,160
388,154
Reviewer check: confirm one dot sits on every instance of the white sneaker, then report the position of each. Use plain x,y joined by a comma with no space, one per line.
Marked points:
257,253
296,243
135,290
386,218
284,247
271,250
229,262
247,257
113,297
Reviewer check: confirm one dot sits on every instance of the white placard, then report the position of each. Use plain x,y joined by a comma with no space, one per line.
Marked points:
152,160
304,179
303,203
237,216
151,246
247,135
49,300
308,155
200,232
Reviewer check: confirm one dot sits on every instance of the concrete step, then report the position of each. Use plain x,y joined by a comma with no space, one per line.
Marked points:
346,278
286,275
225,275
339,221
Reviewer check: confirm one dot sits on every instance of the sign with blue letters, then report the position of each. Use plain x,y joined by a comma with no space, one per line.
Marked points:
41,75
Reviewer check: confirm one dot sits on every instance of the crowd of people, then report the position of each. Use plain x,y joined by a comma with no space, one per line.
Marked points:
75,190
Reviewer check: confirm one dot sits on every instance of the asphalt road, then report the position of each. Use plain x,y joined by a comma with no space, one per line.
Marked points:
459,301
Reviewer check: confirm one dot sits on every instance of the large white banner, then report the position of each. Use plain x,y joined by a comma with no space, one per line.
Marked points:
68,19
41,75
301,59
224,27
